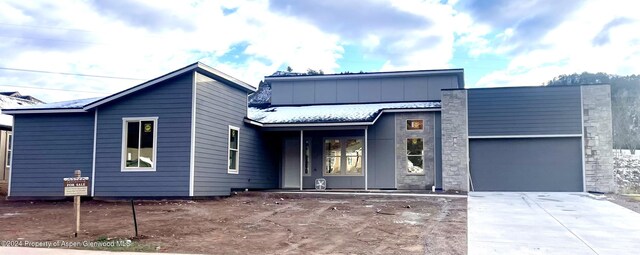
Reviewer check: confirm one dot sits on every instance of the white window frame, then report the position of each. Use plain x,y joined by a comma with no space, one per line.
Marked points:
229,170
123,160
414,130
343,155
406,145
9,149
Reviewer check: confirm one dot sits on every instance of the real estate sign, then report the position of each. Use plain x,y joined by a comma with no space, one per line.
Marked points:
76,186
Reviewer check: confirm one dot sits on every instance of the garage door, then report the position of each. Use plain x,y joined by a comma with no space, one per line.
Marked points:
526,164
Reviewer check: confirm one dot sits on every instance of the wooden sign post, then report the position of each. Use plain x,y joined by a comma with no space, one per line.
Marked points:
76,187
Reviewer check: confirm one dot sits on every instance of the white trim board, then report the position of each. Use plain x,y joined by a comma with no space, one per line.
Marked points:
192,154
523,136
93,162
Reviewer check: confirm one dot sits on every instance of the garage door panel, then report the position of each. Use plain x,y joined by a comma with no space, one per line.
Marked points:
526,164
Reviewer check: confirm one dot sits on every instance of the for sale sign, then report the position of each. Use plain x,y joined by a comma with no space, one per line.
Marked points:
76,186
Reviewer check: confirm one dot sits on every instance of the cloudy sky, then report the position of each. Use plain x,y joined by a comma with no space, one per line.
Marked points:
66,49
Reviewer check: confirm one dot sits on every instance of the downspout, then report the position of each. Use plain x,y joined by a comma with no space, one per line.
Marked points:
93,163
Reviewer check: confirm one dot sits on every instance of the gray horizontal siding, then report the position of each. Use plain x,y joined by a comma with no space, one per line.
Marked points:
217,107
170,101
360,90
524,111
48,148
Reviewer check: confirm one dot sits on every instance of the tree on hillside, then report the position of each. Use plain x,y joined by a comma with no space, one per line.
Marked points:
625,103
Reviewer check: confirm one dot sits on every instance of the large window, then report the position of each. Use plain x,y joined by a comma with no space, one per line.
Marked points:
415,156
343,156
332,157
139,144
234,149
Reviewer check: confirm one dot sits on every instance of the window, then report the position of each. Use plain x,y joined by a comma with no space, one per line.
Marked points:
9,149
354,156
332,156
415,156
343,156
415,124
234,141
307,157
139,144
8,157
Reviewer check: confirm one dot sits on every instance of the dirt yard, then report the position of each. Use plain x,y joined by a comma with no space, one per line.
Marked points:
253,223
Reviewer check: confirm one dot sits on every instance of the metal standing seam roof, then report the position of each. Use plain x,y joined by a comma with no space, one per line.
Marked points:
339,113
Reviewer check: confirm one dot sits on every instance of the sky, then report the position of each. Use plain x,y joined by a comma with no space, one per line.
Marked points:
68,49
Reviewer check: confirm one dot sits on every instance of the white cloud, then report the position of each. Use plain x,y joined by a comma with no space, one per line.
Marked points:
570,48
81,39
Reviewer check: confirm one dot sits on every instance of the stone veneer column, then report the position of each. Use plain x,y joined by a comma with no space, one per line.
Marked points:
455,142
598,138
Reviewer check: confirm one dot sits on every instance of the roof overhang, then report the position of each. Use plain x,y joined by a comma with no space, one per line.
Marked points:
33,111
335,124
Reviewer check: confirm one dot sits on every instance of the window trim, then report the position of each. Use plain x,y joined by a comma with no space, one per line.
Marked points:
229,170
9,145
343,156
310,163
414,130
406,144
123,164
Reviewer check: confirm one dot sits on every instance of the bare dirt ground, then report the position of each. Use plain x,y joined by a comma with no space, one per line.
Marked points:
631,202
254,223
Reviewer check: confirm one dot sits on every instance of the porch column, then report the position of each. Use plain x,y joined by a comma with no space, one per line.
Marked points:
366,161
301,156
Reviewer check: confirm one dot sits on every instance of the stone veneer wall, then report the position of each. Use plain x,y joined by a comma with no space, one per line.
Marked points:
598,138
455,142
415,181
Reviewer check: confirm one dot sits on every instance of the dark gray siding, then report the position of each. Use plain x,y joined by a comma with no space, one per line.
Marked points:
524,111
360,90
218,106
529,164
438,141
171,102
47,148
381,173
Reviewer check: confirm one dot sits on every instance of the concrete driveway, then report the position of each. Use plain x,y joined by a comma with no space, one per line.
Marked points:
549,223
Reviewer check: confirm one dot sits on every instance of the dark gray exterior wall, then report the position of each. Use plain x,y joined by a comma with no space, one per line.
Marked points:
47,148
526,164
524,111
171,102
381,155
344,90
218,106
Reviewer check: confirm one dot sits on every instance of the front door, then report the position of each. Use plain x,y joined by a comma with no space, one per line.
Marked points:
291,163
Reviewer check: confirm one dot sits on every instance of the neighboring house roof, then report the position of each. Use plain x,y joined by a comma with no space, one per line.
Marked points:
84,105
9,101
343,114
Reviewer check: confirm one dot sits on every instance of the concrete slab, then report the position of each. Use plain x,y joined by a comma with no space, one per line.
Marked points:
549,223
